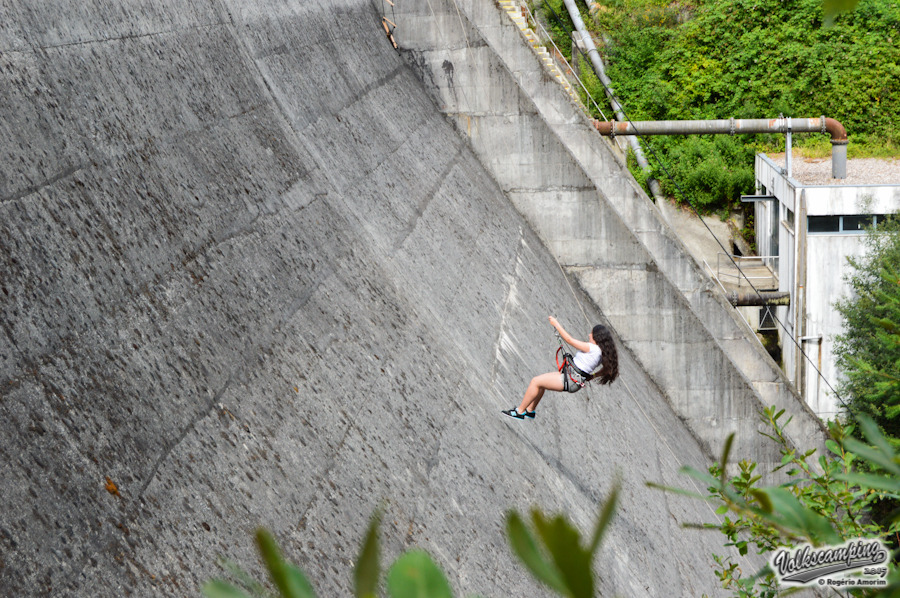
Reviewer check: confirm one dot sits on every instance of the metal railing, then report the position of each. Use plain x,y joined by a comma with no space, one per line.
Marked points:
735,268
545,36
767,318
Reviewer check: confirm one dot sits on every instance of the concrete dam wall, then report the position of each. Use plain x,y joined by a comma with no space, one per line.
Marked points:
575,190
252,274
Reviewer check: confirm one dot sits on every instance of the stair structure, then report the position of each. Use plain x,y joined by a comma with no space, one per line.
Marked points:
518,15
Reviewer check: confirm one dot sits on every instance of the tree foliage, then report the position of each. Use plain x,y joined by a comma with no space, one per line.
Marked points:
869,348
714,59
827,499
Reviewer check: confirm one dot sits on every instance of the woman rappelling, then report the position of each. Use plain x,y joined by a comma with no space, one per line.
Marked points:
574,371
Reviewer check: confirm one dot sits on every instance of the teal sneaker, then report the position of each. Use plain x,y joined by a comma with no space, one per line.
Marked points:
514,413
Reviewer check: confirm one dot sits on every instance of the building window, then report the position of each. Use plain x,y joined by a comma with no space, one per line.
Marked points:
788,217
824,224
766,319
857,223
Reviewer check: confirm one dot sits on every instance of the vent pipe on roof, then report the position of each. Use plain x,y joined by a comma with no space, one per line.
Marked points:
746,126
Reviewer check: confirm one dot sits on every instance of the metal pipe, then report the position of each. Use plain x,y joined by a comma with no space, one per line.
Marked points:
799,308
600,71
759,298
730,126
746,126
787,149
838,160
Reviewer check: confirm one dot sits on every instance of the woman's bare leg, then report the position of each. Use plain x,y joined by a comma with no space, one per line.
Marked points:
535,391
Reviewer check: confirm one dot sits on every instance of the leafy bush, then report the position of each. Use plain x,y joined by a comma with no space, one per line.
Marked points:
558,26
825,502
713,59
712,170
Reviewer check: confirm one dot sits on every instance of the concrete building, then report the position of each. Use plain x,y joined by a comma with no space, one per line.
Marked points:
808,224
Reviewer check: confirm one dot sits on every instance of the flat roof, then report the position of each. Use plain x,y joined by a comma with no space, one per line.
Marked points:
860,171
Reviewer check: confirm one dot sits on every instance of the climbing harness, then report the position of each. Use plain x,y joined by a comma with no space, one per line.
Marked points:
388,24
568,368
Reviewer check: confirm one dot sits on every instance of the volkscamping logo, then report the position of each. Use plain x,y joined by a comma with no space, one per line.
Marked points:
830,565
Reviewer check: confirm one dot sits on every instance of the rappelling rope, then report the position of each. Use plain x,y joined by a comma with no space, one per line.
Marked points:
581,307
575,295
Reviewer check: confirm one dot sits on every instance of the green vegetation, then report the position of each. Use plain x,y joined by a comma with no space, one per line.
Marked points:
551,549
710,59
556,556
825,502
869,349
854,491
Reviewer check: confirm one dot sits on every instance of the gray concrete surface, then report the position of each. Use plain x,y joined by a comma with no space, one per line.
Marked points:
251,274
703,236
574,189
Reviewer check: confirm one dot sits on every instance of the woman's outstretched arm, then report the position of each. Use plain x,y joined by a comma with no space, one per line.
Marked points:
582,346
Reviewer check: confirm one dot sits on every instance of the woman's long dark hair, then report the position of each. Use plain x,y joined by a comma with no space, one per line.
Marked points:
604,340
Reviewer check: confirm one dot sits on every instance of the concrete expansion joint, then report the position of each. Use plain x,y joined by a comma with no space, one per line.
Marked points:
482,113
690,292
451,48
210,408
580,267
728,337
65,173
551,189
707,341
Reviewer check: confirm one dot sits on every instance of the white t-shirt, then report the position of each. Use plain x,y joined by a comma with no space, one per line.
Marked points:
588,362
